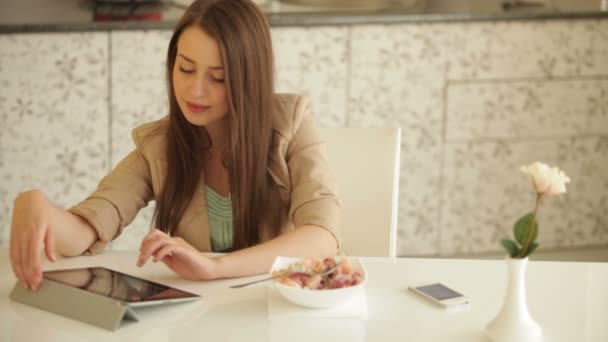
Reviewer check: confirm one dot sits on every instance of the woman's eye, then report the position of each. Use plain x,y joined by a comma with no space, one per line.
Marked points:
186,71
220,80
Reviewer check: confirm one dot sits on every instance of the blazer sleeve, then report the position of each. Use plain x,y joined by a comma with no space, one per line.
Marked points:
118,198
314,199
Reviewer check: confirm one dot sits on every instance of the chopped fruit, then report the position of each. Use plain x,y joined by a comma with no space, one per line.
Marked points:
314,274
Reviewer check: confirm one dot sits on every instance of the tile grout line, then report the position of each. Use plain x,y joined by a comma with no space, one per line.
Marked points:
523,139
349,68
443,143
532,79
110,114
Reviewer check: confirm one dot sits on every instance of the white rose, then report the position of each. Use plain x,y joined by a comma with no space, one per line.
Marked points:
546,180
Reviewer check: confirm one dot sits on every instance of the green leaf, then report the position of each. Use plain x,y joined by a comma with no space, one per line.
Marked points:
521,230
510,247
531,249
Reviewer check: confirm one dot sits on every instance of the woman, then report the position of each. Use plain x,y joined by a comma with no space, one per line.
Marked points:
234,167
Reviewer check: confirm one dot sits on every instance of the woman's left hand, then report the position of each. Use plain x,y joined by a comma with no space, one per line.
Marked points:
178,255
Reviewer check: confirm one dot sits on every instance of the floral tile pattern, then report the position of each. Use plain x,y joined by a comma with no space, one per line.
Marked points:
53,117
313,61
586,205
139,92
507,50
541,108
448,84
485,193
474,101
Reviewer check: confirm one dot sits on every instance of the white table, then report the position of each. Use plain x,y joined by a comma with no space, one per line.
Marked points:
569,300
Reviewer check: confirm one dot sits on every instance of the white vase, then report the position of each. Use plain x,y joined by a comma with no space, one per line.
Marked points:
513,322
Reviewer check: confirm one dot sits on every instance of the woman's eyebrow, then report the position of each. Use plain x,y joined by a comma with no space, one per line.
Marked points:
193,62
186,58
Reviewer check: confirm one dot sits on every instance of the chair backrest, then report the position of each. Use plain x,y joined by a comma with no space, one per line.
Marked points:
366,164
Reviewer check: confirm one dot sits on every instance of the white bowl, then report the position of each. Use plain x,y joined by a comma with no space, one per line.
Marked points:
318,298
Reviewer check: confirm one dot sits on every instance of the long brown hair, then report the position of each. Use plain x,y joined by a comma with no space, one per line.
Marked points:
243,35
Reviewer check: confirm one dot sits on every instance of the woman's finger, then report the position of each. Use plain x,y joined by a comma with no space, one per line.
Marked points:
23,255
169,261
145,240
148,241
168,249
32,263
36,247
49,244
152,235
150,248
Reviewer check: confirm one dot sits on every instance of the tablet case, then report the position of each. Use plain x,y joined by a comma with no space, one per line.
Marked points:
71,302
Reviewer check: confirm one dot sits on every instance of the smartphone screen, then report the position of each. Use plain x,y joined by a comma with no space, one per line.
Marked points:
439,291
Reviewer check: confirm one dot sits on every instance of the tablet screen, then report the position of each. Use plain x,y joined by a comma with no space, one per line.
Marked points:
117,285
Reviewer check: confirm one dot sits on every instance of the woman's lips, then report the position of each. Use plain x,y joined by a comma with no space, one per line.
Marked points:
196,108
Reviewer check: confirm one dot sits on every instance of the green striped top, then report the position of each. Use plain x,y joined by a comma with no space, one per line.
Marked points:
219,209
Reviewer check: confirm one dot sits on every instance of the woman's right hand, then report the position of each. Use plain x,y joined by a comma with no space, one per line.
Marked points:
30,233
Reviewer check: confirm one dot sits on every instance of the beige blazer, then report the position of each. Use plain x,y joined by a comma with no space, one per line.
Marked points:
297,163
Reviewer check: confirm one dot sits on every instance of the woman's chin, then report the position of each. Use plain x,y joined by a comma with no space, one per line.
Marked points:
197,119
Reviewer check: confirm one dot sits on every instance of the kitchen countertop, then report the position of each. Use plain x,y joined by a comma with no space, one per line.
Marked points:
87,15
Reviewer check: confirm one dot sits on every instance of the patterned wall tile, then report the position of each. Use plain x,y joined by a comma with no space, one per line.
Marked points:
527,82
397,78
585,159
541,108
314,61
139,92
139,95
496,50
53,117
597,107
485,193
542,87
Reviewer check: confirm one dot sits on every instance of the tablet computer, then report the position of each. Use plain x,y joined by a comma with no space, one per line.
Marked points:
128,289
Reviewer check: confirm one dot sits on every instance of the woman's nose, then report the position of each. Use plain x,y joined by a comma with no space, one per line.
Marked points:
199,87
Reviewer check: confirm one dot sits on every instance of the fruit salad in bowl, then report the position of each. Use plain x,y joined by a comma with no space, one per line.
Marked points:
318,283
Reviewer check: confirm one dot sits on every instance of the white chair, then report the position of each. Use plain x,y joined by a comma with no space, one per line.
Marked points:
366,164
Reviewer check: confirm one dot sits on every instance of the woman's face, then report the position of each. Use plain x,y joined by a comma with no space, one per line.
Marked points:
198,78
